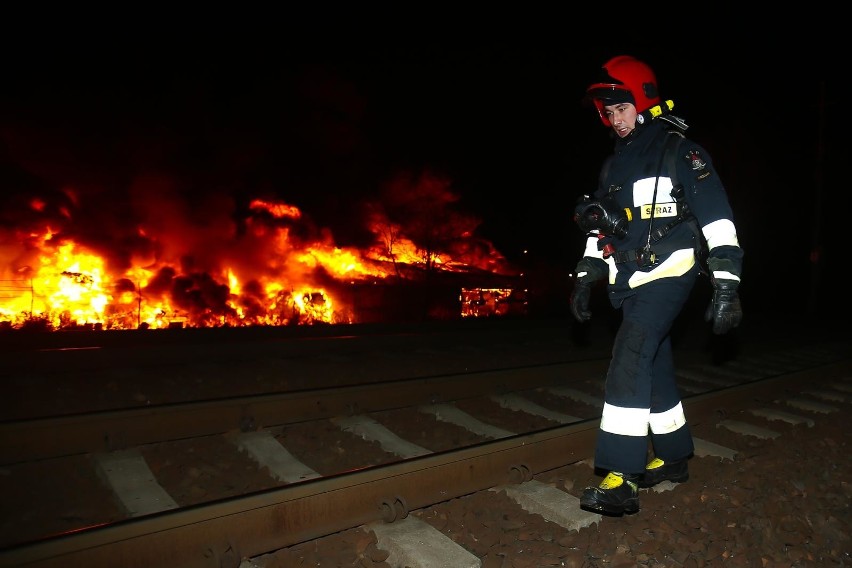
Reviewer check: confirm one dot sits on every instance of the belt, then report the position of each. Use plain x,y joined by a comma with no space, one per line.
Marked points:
634,255
621,256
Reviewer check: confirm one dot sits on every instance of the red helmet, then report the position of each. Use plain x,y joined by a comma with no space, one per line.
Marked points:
624,79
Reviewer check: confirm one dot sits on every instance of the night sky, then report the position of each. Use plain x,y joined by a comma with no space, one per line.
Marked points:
325,121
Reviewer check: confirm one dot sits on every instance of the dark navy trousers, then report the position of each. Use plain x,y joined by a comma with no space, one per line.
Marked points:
641,396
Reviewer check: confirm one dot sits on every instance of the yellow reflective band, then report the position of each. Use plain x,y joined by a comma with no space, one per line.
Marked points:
668,421
624,421
677,264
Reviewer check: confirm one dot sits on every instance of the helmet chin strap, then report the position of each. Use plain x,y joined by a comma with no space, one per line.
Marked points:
675,121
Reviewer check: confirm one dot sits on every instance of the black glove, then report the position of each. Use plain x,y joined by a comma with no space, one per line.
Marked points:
724,310
580,296
592,270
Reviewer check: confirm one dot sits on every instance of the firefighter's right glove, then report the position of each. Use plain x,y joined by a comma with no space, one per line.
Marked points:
580,296
724,310
589,270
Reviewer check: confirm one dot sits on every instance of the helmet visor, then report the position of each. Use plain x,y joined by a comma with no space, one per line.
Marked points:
610,94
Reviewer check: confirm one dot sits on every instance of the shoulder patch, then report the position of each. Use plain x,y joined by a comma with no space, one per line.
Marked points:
697,164
695,160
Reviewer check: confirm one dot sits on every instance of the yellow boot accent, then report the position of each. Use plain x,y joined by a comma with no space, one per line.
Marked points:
613,480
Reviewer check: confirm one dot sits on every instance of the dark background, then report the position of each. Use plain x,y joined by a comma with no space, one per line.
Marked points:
325,118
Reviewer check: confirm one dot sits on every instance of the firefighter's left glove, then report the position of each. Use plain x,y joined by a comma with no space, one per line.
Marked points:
724,310
580,296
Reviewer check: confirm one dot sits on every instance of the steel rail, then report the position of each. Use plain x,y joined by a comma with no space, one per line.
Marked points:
220,534
712,404
28,440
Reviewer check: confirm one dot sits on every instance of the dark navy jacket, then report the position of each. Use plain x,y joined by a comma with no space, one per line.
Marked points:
637,176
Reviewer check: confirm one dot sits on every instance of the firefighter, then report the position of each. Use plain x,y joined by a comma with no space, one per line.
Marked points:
658,202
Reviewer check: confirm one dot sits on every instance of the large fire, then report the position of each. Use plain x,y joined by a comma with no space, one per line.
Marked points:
170,267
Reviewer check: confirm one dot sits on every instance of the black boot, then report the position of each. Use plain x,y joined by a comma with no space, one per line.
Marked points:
658,471
617,494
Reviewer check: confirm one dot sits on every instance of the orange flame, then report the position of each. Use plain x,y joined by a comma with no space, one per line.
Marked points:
265,269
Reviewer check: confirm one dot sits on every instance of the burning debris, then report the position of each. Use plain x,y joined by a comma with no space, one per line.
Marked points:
488,302
171,262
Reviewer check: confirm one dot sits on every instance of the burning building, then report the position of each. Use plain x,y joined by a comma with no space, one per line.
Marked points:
167,261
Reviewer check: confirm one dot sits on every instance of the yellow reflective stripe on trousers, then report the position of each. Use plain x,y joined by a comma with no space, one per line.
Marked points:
668,421
625,421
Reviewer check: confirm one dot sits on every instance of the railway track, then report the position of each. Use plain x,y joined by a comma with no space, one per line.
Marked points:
311,463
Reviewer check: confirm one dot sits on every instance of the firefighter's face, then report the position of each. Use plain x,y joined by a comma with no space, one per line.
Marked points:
622,117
